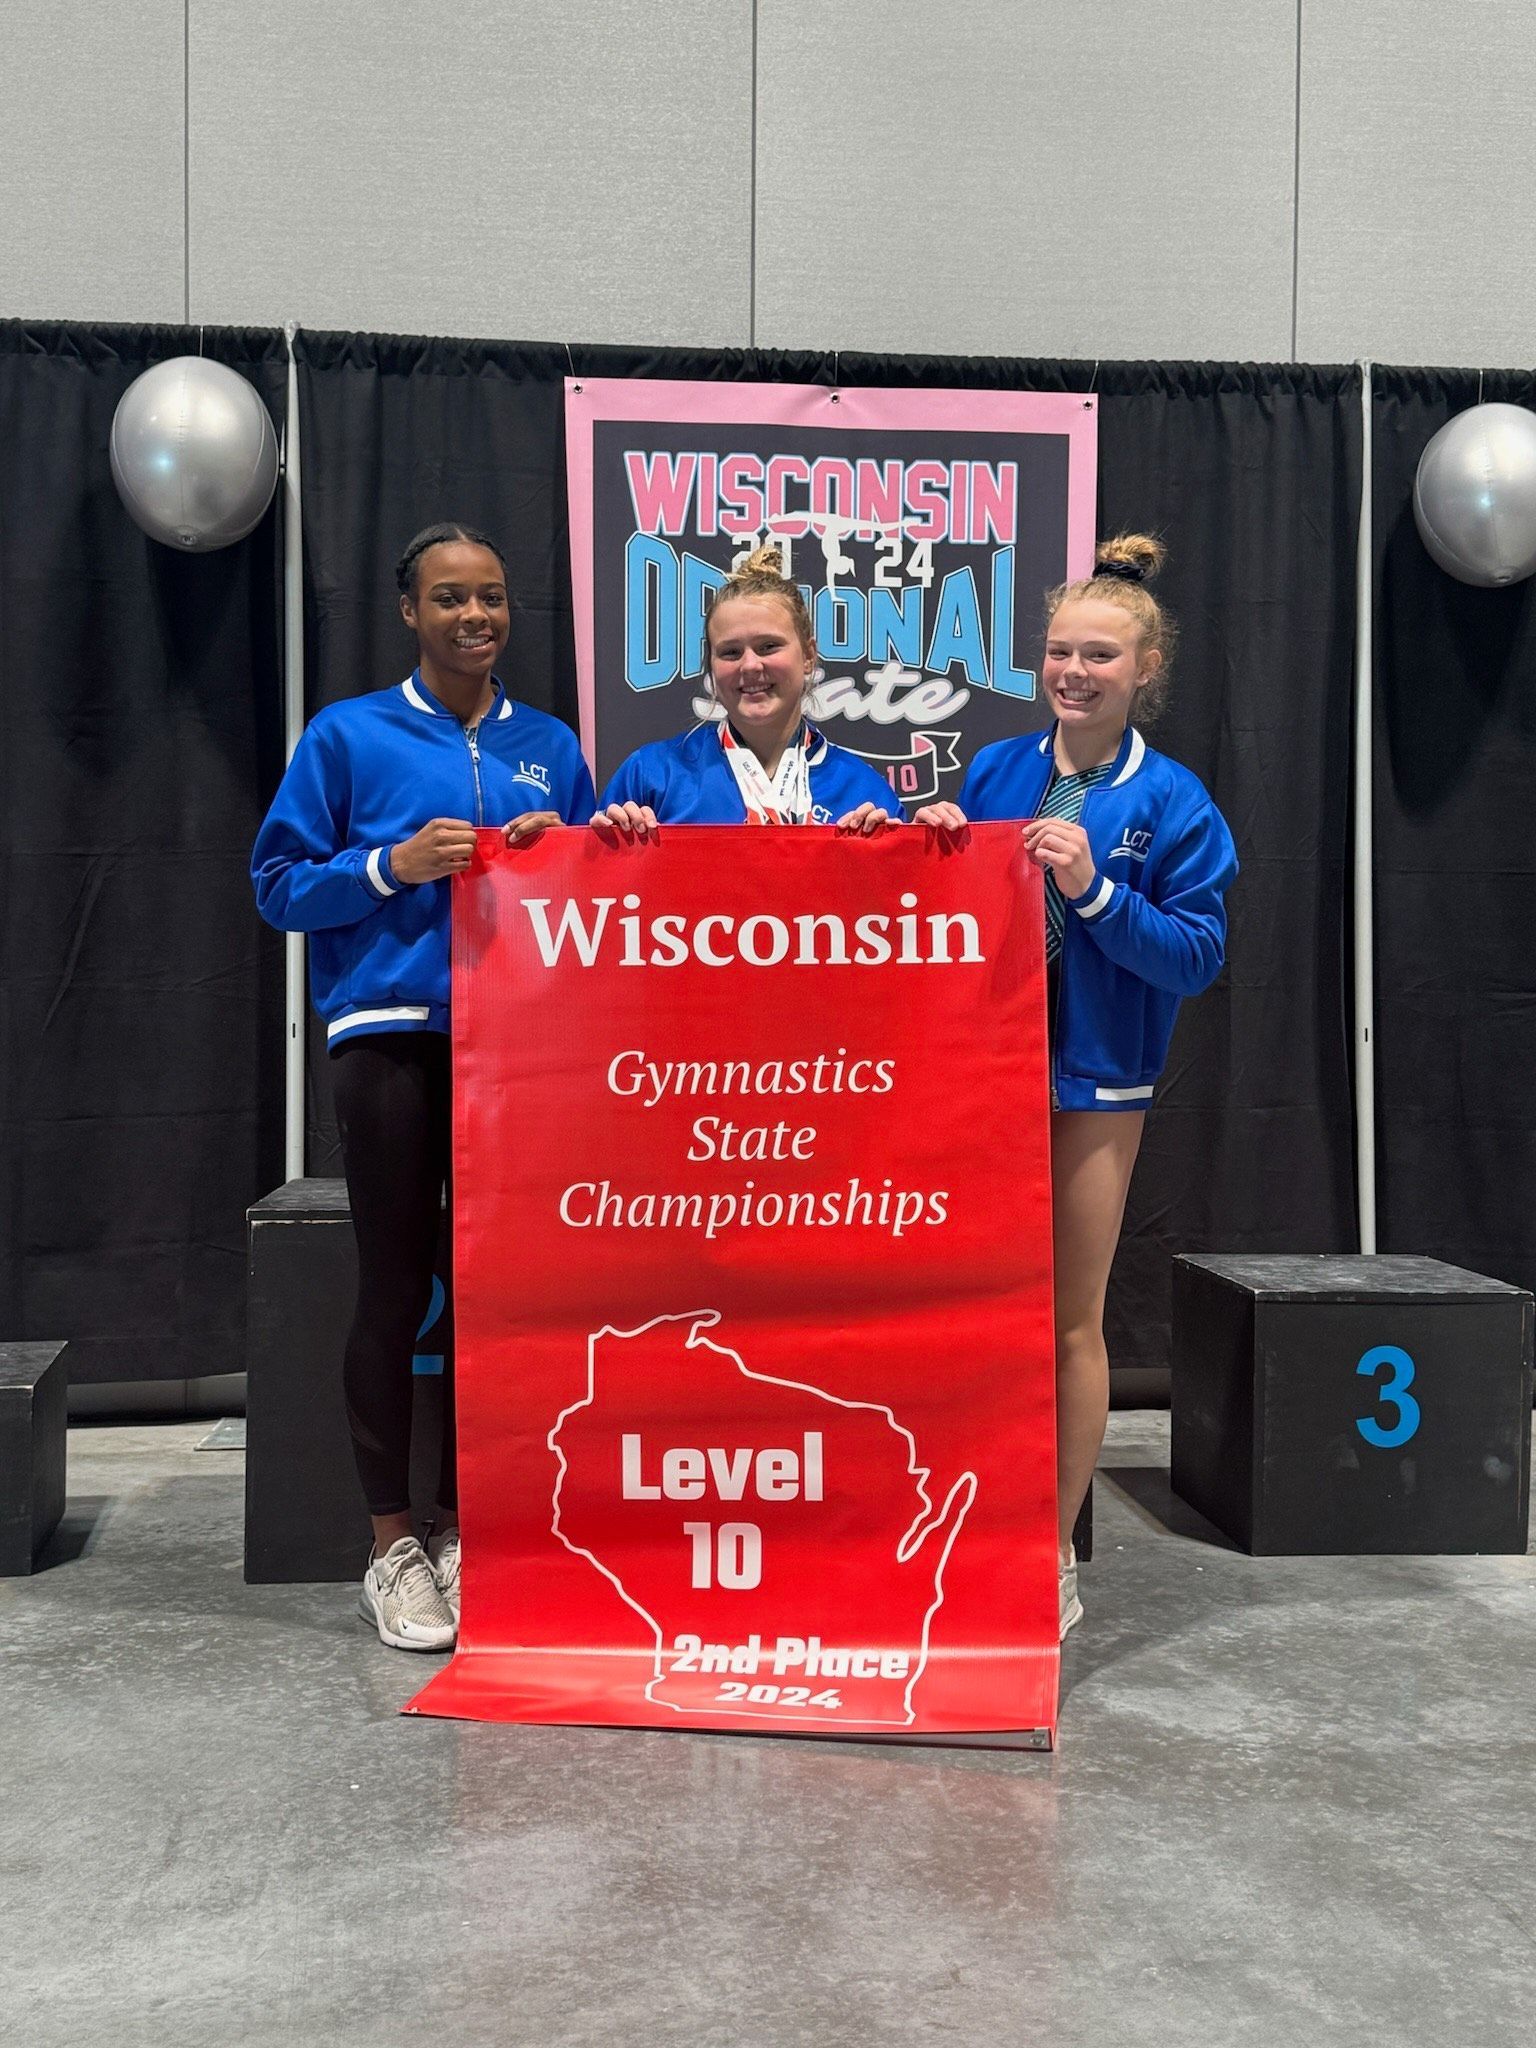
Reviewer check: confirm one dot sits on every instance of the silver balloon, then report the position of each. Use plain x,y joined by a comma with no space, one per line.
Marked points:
194,454
1474,497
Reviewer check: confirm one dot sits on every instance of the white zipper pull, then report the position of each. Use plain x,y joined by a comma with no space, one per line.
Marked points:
471,738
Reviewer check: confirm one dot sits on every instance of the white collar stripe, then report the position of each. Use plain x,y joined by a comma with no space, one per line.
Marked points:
1133,759
421,701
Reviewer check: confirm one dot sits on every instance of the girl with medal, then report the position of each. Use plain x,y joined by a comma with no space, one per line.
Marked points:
763,763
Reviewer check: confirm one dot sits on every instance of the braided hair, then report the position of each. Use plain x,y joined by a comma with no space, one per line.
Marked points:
434,536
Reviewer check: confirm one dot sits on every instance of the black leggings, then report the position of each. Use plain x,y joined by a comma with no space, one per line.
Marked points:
392,1104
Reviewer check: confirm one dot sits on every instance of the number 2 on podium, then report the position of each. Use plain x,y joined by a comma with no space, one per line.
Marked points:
1393,1390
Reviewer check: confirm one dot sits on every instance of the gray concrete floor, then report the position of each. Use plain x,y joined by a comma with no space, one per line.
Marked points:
1295,1804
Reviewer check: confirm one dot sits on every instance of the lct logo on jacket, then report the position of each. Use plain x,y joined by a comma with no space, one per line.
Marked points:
535,774
1133,846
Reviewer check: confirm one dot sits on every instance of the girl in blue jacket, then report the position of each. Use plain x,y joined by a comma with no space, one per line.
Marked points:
763,763
1137,862
378,808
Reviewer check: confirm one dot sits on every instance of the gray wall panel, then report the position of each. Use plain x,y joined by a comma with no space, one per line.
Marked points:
1037,179
1418,167
1025,176
91,160
521,168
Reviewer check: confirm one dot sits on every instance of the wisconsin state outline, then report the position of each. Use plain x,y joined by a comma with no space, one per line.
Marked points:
780,1543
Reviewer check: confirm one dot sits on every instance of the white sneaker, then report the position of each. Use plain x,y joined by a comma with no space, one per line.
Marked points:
1066,1585
401,1599
443,1556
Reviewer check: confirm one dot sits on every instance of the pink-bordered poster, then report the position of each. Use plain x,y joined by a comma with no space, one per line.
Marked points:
923,526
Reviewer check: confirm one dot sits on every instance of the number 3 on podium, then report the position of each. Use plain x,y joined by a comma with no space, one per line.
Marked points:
1393,1390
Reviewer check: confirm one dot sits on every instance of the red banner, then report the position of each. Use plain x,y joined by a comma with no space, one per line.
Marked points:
752,1271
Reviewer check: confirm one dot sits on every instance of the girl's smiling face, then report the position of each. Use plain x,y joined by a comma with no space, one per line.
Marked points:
458,611
1094,665
760,666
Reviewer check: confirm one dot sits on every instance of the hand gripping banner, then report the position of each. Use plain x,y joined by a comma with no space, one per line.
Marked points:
752,1286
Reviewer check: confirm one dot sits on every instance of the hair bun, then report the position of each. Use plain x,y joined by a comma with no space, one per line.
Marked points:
768,560
1128,558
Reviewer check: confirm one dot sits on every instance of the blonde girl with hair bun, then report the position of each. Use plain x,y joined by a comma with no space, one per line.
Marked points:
763,762
1137,863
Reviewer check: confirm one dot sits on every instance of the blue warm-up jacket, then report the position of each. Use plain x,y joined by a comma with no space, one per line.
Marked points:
1150,929
688,781
367,774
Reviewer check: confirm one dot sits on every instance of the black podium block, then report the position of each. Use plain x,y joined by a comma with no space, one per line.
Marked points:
34,1391
1331,1405
304,1513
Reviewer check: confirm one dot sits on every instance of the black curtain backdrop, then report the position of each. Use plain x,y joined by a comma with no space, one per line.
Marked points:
1251,474
1455,866
1253,477
140,1002
397,433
